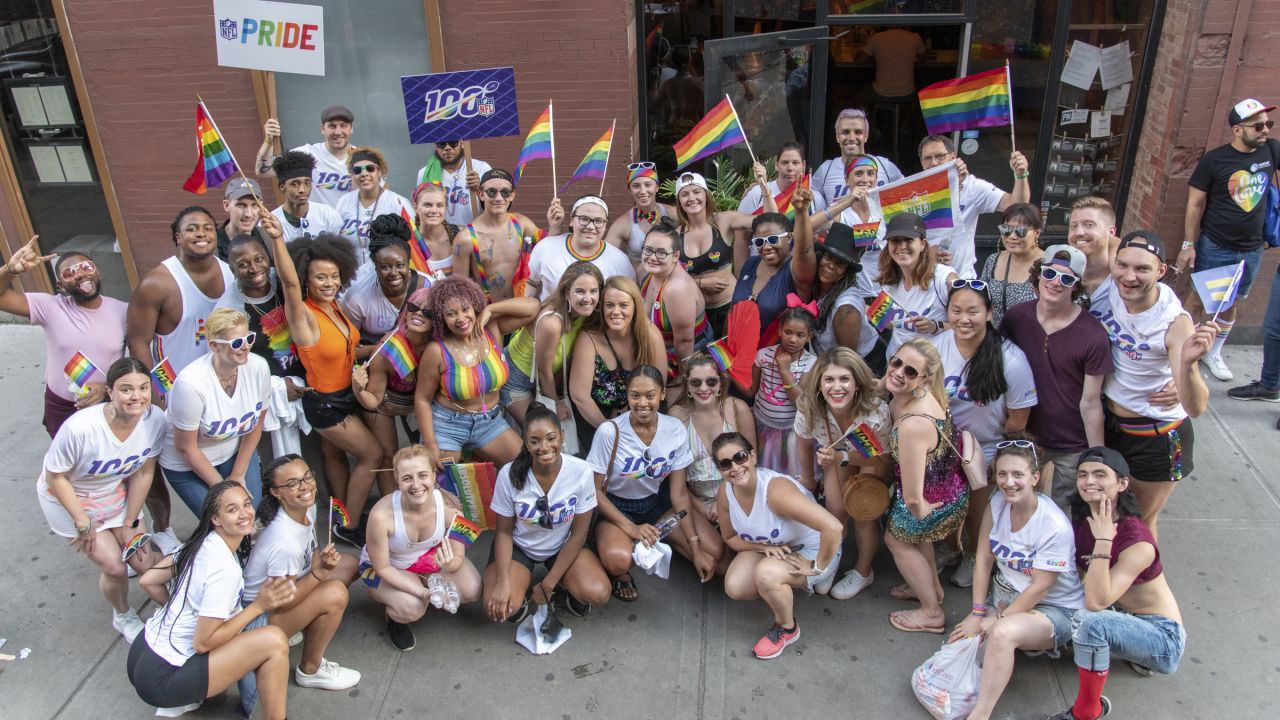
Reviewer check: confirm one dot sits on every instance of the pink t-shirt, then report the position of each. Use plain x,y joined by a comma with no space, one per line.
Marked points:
68,328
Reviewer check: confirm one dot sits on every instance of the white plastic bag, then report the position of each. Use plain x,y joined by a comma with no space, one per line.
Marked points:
947,683
529,634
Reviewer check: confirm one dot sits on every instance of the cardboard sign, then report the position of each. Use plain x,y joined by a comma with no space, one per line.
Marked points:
280,37
464,105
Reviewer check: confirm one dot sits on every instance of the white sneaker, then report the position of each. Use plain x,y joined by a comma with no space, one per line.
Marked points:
296,639
176,711
1217,366
945,555
328,676
851,584
127,624
963,576
824,587
166,541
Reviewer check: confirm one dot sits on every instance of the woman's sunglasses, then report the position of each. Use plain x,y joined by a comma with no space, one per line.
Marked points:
1019,230
1067,280
711,382
641,166
975,285
362,169
544,513
896,362
738,458
237,343
770,240
1025,445
414,308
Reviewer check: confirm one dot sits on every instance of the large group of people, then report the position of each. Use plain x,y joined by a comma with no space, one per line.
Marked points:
574,358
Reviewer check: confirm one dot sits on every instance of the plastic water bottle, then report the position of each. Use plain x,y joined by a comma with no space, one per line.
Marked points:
436,588
666,526
452,599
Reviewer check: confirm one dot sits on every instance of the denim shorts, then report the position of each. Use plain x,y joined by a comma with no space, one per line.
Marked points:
1210,254
1152,641
456,430
1061,618
518,386
647,510
811,553
192,490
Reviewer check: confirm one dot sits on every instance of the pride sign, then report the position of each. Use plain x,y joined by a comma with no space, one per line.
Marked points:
280,37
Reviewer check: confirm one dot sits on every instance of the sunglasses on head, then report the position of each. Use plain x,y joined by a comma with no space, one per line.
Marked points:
896,362
1025,445
738,458
1020,230
1260,126
770,240
1066,279
544,513
445,145
362,168
710,382
977,285
641,166
237,343
75,269
495,192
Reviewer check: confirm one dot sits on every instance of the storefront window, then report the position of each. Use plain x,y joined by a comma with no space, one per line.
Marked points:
367,54
674,72
753,17
45,138
895,7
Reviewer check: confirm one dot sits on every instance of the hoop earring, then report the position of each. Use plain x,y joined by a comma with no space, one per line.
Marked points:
918,393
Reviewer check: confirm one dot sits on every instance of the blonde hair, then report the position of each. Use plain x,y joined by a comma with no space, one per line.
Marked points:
1092,202
222,321
640,324
933,371
814,405
409,452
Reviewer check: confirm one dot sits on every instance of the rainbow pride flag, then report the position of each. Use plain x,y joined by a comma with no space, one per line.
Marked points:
720,354
163,375
975,101
865,234
338,514
540,143
464,531
863,439
473,484
275,325
931,194
880,311
399,353
651,40
214,161
596,161
79,369
713,133
419,253
783,199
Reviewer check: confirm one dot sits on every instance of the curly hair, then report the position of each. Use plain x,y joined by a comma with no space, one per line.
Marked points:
453,288
291,162
1034,455
372,153
388,230
325,246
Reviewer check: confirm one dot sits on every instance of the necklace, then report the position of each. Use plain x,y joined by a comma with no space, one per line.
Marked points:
466,354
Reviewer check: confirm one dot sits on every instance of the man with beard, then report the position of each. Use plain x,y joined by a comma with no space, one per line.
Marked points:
491,250
78,319
331,177
166,320
448,169
852,133
240,200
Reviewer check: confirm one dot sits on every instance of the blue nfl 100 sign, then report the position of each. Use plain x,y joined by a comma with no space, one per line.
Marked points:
463,105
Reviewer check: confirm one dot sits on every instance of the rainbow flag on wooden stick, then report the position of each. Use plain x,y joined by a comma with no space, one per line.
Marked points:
596,162
863,439
163,375
783,199
214,161
464,531
975,101
932,194
399,354
720,354
539,145
473,484
715,132
865,234
880,311
79,369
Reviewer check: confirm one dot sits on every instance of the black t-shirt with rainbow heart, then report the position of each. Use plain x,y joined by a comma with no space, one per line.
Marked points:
1236,184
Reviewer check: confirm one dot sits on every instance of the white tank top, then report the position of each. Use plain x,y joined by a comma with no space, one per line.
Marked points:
762,525
1140,356
187,342
636,242
1101,298
400,551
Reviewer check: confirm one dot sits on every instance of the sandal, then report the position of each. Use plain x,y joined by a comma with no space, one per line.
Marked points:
904,622
902,592
624,588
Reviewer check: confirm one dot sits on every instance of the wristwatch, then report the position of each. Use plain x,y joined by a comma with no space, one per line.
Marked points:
136,521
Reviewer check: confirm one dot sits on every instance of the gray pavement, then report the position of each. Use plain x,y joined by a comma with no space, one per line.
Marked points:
682,650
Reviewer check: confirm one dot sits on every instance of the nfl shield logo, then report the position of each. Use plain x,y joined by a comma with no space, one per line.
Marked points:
486,106
918,204
228,29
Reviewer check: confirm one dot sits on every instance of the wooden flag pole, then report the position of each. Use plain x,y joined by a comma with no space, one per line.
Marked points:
466,153
227,145
551,125
607,155
764,187
1008,79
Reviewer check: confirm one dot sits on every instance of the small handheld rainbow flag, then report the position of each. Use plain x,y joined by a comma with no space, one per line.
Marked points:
596,162
463,530
975,101
783,199
930,194
720,354
276,326
539,145
338,512
863,439
864,234
163,375
880,311
399,353
473,484
419,253
715,132
214,161
79,369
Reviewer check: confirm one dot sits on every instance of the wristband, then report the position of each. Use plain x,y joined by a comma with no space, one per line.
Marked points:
1188,244
980,607
1023,176
827,212
1099,556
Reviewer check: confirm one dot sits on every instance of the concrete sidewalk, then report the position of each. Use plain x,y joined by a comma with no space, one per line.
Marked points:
683,649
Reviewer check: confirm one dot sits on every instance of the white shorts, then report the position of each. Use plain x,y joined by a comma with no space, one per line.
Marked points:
60,520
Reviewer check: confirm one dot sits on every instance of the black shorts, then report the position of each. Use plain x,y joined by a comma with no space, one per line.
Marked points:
160,684
324,410
517,555
644,511
1155,450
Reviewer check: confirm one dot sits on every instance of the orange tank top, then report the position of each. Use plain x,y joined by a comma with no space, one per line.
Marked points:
329,361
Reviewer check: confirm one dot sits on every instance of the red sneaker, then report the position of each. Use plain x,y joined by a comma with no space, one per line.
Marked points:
775,641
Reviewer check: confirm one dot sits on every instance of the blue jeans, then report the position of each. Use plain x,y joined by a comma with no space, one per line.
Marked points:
1152,641
193,490
1210,255
1271,337
457,430
248,685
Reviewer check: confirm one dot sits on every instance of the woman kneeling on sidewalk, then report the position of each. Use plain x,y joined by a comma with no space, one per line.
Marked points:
1128,606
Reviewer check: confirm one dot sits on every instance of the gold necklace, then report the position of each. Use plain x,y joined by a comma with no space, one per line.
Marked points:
466,354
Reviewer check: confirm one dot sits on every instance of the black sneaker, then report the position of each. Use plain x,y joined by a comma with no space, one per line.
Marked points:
351,536
401,636
521,612
1254,391
1066,714
573,604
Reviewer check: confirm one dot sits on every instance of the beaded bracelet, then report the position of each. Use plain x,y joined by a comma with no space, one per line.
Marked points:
979,610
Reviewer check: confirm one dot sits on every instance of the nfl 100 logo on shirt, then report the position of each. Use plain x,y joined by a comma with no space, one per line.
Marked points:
771,540
118,466
1014,559
634,468
1124,342
231,427
559,513
333,181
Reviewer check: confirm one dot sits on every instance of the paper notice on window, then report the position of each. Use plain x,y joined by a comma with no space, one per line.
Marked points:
48,167
30,108
56,105
1082,66
1116,67
1117,99
1100,124
1075,117
75,164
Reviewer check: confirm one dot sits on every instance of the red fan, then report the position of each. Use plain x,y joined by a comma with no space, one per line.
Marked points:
743,342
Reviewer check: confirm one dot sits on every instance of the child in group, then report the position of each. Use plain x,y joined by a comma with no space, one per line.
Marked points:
776,385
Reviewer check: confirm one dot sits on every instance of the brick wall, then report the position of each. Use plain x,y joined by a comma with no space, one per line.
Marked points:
142,76
581,55
1185,115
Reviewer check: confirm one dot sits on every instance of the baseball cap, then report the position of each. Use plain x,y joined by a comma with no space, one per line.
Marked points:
497,174
336,112
242,187
1075,259
1246,108
690,178
1105,455
1145,239
907,224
